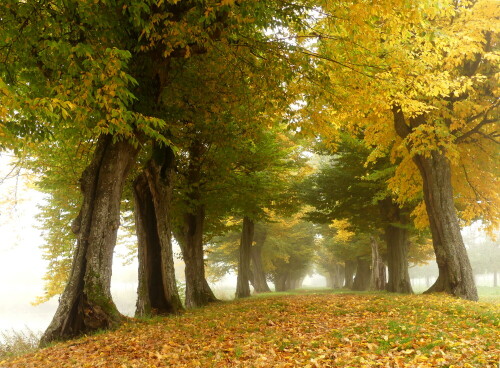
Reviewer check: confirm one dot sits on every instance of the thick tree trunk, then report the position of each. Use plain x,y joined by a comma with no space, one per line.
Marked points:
259,282
350,269
157,290
86,304
377,278
242,283
455,272
363,275
397,260
396,237
198,292
190,233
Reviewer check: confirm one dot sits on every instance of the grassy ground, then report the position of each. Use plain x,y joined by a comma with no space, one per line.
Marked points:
307,329
488,294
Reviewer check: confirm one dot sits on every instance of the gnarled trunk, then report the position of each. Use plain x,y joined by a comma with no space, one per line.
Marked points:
455,272
396,238
258,280
242,283
349,270
157,290
363,274
86,304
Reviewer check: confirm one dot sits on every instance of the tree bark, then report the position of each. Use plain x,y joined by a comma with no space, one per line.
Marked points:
397,260
363,273
198,292
86,304
455,272
190,233
350,269
157,290
377,278
396,238
242,283
259,282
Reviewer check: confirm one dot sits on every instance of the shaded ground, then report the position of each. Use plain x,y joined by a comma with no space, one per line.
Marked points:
303,330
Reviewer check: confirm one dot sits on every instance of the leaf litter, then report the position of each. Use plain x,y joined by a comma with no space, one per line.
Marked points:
305,330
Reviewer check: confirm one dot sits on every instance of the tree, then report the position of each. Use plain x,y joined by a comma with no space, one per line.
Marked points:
348,188
77,72
289,251
242,281
258,274
157,290
425,79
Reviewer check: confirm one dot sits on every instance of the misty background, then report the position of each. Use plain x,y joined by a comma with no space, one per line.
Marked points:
22,266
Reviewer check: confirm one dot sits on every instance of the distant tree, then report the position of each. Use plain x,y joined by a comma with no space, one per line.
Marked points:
349,188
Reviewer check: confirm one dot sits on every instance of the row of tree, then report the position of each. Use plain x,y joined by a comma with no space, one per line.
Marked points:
180,115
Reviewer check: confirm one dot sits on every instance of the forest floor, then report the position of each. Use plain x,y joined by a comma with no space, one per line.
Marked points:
308,329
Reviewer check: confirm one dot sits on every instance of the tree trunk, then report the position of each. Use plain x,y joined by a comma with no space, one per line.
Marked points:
86,304
335,279
198,292
397,260
377,278
294,282
396,238
259,282
281,282
157,290
363,275
242,285
455,272
350,269
330,279
340,276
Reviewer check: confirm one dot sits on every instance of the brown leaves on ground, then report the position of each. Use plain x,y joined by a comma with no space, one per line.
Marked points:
308,330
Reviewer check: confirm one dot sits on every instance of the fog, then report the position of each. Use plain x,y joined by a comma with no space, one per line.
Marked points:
22,267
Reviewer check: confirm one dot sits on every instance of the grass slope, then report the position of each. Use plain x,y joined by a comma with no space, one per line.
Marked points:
302,330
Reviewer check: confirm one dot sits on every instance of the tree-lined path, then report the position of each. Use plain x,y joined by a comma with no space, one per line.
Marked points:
265,137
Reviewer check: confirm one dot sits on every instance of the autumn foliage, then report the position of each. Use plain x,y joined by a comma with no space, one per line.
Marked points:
302,330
